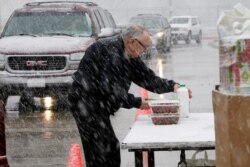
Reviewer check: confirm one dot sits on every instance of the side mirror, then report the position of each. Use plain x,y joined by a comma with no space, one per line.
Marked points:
122,27
106,32
117,30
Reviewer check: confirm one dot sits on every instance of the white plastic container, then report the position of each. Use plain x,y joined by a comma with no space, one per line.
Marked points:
183,97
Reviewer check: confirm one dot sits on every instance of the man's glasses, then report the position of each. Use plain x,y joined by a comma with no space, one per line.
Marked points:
144,47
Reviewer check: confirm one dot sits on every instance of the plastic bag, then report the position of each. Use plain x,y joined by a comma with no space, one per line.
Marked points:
234,22
234,47
201,162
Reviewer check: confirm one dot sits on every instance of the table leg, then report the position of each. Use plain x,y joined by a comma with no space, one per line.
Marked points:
151,159
138,159
182,158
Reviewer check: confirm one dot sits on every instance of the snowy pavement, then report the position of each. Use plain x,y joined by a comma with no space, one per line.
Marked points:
43,138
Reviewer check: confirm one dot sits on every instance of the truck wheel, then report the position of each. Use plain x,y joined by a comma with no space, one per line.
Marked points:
27,103
188,39
175,41
199,37
62,103
169,44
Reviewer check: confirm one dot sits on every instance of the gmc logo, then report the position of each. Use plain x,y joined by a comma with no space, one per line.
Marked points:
36,63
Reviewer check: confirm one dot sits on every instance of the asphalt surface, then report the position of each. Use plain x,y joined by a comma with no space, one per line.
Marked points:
43,138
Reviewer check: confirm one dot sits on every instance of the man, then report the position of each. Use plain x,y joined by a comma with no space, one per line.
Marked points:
101,86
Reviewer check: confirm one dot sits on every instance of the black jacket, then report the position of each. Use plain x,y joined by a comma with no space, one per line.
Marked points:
105,74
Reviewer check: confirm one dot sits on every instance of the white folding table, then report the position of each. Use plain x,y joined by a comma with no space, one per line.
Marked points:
193,133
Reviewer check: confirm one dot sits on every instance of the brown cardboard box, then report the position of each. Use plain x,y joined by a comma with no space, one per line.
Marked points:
232,129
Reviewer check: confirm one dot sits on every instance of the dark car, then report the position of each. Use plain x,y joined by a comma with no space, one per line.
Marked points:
159,28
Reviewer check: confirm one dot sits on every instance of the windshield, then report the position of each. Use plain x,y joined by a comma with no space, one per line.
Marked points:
179,21
49,23
149,23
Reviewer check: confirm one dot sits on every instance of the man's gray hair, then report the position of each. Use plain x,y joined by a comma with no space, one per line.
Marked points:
133,31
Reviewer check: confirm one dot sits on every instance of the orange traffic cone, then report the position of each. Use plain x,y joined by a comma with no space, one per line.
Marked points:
74,158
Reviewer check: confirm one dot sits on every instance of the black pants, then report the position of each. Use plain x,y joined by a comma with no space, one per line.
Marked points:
100,145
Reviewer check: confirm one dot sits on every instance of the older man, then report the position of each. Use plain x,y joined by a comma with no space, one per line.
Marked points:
101,86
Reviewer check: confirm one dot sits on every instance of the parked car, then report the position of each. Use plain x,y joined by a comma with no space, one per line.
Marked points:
43,42
159,28
112,22
186,28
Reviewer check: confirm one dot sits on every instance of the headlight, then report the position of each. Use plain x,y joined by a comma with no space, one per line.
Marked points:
75,59
159,34
2,57
76,56
73,66
2,61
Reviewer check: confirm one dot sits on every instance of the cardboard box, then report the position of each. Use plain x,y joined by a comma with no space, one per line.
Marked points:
232,129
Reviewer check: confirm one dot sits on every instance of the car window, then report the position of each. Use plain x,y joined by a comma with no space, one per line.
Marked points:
96,24
104,17
148,22
110,19
198,21
179,21
99,18
194,22
161,22
166,23
49,23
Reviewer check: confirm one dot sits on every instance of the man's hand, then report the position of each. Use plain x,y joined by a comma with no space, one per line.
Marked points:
190,93
176,86
144,104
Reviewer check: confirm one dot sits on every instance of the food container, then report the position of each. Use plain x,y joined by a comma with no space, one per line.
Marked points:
164,106
165,119
164,112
